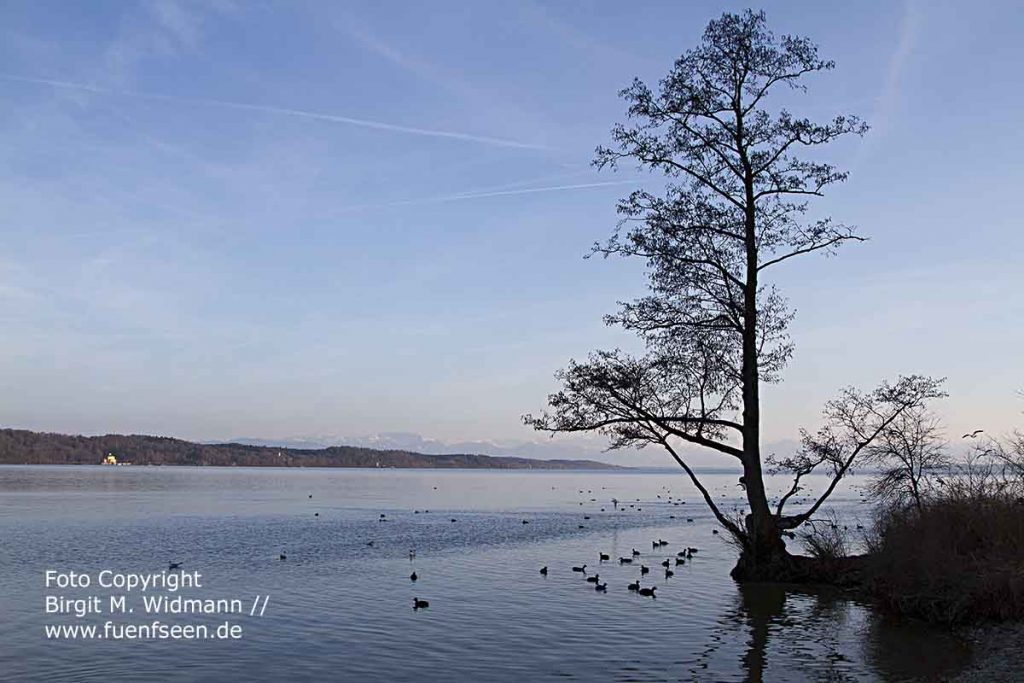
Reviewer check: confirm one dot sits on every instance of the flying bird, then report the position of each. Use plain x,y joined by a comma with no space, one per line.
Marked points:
973,435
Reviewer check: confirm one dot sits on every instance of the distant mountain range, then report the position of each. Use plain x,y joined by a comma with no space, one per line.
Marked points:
19,446
579,448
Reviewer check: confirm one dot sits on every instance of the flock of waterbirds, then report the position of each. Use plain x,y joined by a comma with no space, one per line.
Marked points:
680,558
649,591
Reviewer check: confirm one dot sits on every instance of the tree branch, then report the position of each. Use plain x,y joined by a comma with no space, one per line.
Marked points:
722,519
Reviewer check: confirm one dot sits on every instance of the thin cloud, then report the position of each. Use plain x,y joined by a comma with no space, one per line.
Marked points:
283,111
888,99
489,103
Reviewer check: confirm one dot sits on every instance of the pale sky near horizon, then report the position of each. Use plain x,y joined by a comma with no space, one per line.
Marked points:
330,220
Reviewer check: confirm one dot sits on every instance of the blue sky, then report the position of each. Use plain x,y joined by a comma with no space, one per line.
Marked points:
332,220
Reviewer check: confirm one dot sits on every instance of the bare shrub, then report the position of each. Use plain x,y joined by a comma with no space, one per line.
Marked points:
825,538
1010,453
984,474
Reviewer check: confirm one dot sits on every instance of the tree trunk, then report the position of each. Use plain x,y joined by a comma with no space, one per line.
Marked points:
764,556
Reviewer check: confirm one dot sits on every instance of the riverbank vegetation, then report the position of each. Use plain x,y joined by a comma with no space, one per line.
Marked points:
960,557
955,552
947,542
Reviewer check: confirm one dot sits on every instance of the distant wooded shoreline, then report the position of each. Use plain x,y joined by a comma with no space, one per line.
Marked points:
24,447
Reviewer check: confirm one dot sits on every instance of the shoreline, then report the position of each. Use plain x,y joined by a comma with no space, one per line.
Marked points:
132,466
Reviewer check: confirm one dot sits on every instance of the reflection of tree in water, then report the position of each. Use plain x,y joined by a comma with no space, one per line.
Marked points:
786,636
774,634
760,605
807,631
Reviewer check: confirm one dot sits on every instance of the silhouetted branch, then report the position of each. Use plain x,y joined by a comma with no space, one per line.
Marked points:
722,519
853,422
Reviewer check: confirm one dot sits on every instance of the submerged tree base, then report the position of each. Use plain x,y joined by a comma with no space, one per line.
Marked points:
843,572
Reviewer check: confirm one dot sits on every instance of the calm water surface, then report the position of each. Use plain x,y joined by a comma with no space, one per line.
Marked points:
340,609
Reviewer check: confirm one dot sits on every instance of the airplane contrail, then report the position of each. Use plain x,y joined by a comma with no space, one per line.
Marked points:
531,190
487,193
285,111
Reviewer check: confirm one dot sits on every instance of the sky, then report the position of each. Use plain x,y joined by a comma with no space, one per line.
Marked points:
365,222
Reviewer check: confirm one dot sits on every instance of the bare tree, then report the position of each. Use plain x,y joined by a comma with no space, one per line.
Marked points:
734,207
911,454
857,426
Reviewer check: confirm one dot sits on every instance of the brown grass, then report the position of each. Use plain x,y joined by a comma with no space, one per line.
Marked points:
960,558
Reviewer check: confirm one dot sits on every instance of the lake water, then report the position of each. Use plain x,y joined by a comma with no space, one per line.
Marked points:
341,609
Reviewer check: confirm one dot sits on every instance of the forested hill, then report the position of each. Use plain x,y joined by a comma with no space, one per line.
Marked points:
19,446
